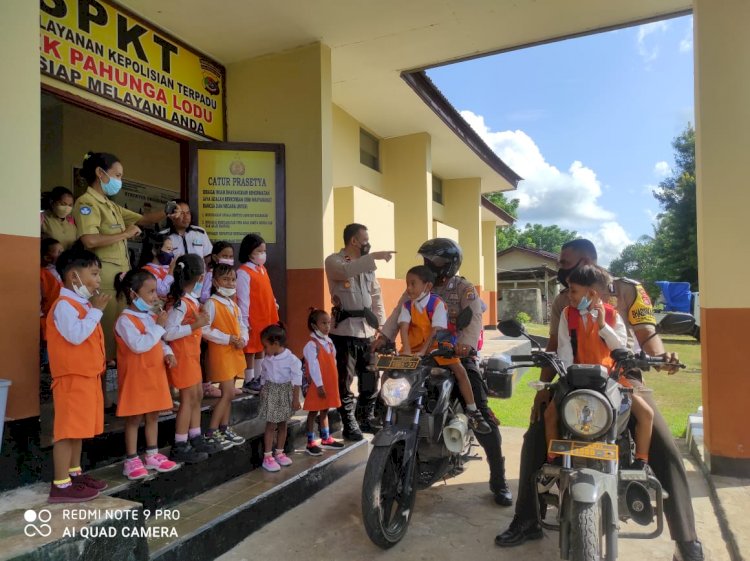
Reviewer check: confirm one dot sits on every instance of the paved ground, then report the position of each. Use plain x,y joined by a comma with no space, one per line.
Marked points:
453,521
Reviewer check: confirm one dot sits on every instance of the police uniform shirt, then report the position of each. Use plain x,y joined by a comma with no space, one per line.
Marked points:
627,296
96,214
353,287
194,241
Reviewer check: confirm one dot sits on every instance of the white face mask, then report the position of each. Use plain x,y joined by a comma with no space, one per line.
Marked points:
260,258
82,290
319,333
226,292
227,262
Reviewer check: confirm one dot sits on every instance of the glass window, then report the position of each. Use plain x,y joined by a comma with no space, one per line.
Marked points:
369,150
437,189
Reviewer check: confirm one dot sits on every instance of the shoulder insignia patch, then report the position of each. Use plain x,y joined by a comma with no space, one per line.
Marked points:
471,294
85,210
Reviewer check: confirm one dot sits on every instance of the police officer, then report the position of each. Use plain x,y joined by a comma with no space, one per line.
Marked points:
443,257
185,237
633,304
105,227
357,314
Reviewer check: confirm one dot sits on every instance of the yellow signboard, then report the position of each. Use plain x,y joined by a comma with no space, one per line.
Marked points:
237,194
100,48
592,450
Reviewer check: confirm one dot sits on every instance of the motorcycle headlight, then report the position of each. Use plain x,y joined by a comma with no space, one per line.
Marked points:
586,413
395,391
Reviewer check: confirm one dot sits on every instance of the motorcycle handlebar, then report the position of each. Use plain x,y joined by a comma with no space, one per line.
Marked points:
522,358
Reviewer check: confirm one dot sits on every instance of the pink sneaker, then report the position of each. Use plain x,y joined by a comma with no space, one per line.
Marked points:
269,464
283,460
133,469
160,463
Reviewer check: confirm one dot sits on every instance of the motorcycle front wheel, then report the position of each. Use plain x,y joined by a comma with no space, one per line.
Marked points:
387,501
586,532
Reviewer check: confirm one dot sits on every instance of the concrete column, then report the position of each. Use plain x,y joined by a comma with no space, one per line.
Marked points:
489,259
407,181
20,115
463,211
286,98
722,47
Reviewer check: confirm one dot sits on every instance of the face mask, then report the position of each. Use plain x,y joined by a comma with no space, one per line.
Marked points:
365,249
112,187
563,274
583,305
82,290
229,262
142,305
319,333
260,258
62,211
226,292
197,289
165,258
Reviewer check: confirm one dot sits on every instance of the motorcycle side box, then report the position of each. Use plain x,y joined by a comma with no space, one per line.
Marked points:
499,382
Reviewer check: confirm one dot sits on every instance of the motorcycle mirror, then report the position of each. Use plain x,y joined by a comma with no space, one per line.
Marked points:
676,323
464,319
511,328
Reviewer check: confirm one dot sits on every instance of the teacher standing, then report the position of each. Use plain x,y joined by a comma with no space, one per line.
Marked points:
105,227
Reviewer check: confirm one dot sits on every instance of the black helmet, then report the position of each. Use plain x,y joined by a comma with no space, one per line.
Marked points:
442,256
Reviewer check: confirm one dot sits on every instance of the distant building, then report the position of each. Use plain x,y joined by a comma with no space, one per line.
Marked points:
523,268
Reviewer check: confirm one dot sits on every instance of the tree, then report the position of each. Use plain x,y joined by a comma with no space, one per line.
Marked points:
639,261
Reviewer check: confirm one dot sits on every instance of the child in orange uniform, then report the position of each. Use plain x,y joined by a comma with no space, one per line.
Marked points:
421,317
225,361
323,392
185,322
50,284
142,358
157,258
257,304
75,342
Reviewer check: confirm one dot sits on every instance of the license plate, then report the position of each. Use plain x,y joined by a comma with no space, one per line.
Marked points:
592,450
393,362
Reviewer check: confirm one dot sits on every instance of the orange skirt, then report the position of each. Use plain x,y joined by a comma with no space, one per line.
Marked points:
143,391
79,407
188,371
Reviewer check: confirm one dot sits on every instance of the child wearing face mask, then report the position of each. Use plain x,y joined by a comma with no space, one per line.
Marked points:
589,330
142,361
225,361
323,393
157,258
75,342
257,304
222,252
420,319
57,221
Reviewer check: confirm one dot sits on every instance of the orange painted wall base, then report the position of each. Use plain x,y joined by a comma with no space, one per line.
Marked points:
726,390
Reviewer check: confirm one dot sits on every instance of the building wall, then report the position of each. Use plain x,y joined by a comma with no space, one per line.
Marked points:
347,169
462,211
442,230
522,260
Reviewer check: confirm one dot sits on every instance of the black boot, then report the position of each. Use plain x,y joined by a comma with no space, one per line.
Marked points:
518,532
351,430
688,551
500,488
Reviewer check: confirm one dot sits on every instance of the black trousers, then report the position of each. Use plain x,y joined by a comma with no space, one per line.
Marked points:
351,361
492,443
664,458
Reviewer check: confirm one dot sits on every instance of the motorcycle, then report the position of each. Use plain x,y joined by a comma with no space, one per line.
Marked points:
596,484
425,438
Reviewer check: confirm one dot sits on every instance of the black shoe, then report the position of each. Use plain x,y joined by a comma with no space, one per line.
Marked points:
639,464
207,445
477,422
354,436
688,551
503,496
369,427
518,532
184,453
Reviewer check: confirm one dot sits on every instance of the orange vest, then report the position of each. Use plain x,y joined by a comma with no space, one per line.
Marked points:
158,272
225,361
86,359
262,312
588,346
420,328
50,291
187,350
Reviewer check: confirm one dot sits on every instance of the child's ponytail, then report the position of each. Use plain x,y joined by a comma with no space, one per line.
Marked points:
132,281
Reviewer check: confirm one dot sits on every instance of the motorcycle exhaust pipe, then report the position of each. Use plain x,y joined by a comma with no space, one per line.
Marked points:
454,433
639,504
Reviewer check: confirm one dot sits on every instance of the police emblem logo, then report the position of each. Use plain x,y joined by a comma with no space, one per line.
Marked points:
347,284
85,210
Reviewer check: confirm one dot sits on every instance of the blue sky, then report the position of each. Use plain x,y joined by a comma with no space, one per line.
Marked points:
588,122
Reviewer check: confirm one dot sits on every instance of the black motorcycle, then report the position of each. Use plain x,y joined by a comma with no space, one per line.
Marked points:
596,485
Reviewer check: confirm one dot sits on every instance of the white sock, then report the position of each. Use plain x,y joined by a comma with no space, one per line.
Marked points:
248,375
472,407
258,364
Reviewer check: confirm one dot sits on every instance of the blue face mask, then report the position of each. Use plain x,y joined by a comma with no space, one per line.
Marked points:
112,187
197,289
584,304
141,304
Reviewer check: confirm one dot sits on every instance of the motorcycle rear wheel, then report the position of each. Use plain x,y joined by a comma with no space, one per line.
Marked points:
387,505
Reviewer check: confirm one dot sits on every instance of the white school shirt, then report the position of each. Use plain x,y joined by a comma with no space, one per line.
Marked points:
310,352
215,335
162,285
195,241
439,315
616,338
282,368
135,340
73,329
174,328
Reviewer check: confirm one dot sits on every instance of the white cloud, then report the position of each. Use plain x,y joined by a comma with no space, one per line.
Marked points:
648,50
662,169
547,195
686,44
649,189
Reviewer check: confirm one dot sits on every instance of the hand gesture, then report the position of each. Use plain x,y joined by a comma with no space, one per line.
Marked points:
599,307
172,264
378,343
462,351
100,300
132,231
170,361
161,318
296,405
671,365
383,255
541,399
236,342
321,392
202,319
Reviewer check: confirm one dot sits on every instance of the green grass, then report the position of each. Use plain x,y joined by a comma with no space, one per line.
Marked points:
677,396
537,329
